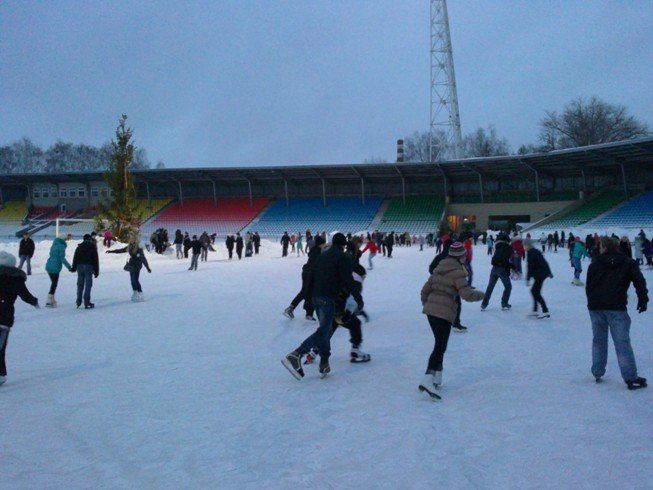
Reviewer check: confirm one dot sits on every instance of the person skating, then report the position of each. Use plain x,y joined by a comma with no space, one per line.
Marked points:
179,241
539,271
256,239
390,243
137,260
448,281
608,278
578,251
12,286
86,263
239,246
373,249
306,292
332,275
457,326
53,266
229,242
285,240
196,248
186,243
300,244
501,264
26,252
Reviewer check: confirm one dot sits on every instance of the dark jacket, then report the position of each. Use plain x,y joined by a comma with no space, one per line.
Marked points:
230,242
86,253
239,243
608,279
136,260
313,254
26,247
538,267
197,246
332,273
502,254
179,238
12,285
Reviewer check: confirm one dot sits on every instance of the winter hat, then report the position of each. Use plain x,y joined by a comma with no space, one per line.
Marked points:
577,239
528,242
7,259
457,250
87,237
339,240
319,240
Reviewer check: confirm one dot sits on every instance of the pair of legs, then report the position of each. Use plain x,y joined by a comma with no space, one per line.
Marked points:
369,260
304,295
441,329
618,323
54,281
498,273
4,336
578,268
320,340
26,259
536,292
231,252
84,283
180,254
204,253
193,262
133,276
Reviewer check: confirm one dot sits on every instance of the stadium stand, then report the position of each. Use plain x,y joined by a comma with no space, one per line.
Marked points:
198,215
418,215
345,214
636,213
586,212
12,214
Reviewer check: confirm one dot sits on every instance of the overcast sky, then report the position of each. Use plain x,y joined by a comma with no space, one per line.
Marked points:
247,82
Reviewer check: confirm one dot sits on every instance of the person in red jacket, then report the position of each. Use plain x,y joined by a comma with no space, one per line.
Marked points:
373,248
518,254
469,254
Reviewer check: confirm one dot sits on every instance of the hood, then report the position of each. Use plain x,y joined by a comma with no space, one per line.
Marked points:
447,265
612,261
14,272
60,242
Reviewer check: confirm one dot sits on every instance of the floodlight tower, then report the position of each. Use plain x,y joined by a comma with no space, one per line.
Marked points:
445,118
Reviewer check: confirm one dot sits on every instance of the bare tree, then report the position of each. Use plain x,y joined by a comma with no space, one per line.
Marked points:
416,147
589,122
484,143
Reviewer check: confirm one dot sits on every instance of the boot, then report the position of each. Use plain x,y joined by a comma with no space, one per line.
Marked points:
437,379
51,303
140,297
637,383
324,368
3,379
288,312
428,385
293,363
357,355
135,296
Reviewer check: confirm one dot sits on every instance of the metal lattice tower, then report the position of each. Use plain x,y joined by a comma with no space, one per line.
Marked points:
445,118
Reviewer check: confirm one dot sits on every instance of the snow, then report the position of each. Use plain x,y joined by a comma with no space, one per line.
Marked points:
186,390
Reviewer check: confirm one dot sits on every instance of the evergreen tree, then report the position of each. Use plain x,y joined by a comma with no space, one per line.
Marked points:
120,209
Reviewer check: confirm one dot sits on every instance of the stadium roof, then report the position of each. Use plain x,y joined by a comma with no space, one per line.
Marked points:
634,155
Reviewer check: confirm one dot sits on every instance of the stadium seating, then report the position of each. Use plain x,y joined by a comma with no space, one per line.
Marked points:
586,212
198,215
417,215
13,211
636,213
345,214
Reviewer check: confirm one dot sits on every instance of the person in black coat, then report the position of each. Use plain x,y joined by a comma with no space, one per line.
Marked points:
87,264
229,242
186,243
257,242
305,293
285,240
539,271
26,252
12,286
390,243
179,241
137,260
196,247
501,265
331,277
239,246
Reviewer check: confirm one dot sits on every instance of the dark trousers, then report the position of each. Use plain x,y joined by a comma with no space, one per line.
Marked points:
54,280
321,338
84,283
441,329
536,291
353,324
456,321
4,336
133,276
239,251
284,250
389,247
304,294
231,252
496,274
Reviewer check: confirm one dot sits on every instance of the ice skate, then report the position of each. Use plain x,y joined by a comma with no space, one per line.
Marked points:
324,369
637,383
135,296
293,363
288,312
357,355
50,302
427,386
437,379
89,306
140,297
311,318
459,328
2,380
544,316
506,307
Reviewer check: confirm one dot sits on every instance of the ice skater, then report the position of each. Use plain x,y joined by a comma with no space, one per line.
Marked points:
539,271
501,265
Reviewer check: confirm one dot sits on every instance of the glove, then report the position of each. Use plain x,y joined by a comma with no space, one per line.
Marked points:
641,307
551,276
96,275
149,271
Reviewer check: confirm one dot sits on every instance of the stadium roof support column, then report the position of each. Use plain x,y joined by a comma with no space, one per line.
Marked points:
285,190
625,180
1,198
362,184
323,193
582,173
251,200
147,193
480,180
537,179
215,195
181,193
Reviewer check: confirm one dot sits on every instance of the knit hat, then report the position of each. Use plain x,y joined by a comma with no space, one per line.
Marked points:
339,240
7,259
457,250
577,239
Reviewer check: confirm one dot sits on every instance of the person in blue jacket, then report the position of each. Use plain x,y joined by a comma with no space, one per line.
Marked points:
53,266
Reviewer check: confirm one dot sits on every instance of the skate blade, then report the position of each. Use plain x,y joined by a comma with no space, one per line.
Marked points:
292,371
432,394
359,361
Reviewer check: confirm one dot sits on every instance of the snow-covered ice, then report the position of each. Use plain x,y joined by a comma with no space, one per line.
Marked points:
187,390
